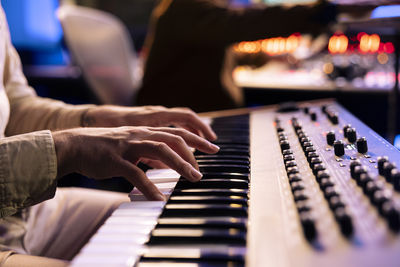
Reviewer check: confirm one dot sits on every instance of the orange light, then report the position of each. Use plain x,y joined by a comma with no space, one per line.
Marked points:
370,43
338,44
271,46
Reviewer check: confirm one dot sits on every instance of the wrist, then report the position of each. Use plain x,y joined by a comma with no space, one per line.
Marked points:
87,119
64,152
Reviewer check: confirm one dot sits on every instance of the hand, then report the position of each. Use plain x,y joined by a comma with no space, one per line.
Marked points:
108,152
155,116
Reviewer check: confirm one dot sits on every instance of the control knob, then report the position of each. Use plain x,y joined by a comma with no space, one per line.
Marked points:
339,148
362,146
330,138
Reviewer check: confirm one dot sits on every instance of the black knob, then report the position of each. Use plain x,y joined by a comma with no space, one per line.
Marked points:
334,118
306,110
303,206
287,152
313,116
358,170
387,170
323,109
392,216
287,158
325,183
309,149
379,198
290,163
330,192
308,223
321,175
339,148
370,188
284,144
335,202
353,165
344,221
381,161
362,146
345,128
351,135
318,167
314,161
312,155
396,179
292,170
296,186
294,178
304,139
307,144
330,138
364,179
299,195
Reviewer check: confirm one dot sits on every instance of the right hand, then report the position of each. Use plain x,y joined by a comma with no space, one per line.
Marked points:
103,153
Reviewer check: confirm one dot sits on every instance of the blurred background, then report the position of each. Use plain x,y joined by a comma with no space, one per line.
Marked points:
355,65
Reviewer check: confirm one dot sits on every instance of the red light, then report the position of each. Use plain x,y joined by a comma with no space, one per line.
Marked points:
388,47
359,35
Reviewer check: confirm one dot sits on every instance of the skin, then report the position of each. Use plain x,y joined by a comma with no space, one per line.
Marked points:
103,150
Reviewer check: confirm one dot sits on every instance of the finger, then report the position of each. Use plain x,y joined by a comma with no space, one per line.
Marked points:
154,163
191,139
161,151
177,143
187,117
139,179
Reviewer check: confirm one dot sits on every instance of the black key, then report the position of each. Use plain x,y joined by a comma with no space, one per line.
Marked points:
217,255
218,161
224,168
208,200
222,157
203,223
213,183
174,236
210,192
204,210
225,175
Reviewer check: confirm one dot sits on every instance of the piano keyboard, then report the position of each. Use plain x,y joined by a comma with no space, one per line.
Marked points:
298,187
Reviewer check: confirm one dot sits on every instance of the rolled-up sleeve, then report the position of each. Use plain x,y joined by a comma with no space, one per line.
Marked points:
28,170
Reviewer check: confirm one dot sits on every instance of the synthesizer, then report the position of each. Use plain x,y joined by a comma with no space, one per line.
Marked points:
301,184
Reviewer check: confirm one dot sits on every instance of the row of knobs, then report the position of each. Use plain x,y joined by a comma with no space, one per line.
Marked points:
351,135
380,196
325,182
297,186
332,115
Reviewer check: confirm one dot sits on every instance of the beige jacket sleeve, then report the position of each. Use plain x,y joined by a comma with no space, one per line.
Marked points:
28,112
28,163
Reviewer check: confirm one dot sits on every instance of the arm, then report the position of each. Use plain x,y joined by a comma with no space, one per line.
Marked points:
28,112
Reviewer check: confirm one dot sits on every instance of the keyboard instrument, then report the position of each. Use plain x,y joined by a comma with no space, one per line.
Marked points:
301,184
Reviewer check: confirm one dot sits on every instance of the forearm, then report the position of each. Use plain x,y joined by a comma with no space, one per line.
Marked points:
32,113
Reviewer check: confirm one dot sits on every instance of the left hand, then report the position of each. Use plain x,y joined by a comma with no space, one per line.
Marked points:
154,116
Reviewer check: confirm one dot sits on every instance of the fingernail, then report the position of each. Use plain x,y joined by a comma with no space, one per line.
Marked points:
214,147
196,174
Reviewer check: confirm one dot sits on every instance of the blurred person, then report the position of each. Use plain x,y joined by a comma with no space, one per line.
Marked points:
41,140
189,55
